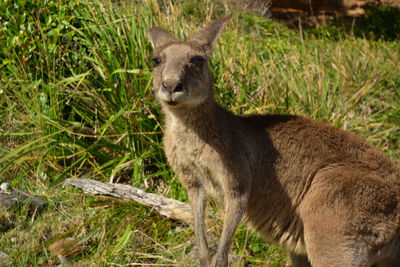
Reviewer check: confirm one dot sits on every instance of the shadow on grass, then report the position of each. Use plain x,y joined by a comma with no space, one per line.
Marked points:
380,22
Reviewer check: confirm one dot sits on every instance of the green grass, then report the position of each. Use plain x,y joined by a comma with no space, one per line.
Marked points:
76,101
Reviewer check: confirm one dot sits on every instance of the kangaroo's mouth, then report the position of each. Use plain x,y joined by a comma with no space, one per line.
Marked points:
171,98
172,103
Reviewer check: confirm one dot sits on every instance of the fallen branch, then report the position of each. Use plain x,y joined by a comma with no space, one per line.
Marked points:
4,259
10,197
168,207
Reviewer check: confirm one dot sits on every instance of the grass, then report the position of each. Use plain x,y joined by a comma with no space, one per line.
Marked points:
76,101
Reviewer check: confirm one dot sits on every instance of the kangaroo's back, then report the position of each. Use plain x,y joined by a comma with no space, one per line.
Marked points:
305,145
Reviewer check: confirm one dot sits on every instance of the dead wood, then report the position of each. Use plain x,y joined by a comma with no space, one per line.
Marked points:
10,197
168,207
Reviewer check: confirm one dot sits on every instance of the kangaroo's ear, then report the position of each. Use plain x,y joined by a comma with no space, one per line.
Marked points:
209,35
159,37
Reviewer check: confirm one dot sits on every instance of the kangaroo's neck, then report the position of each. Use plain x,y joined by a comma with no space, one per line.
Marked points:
192,117
203,120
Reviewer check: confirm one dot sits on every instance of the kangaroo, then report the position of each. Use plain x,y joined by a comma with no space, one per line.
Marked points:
324,194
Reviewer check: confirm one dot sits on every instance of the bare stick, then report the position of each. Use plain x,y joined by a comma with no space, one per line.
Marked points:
168,207
10,197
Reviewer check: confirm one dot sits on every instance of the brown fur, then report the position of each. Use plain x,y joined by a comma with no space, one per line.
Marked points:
322,193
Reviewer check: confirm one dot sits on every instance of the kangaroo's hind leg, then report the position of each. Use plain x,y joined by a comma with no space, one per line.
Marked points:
327,246
348,213
327,243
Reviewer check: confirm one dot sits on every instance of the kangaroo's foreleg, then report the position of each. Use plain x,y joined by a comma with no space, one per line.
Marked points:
198,200
236,199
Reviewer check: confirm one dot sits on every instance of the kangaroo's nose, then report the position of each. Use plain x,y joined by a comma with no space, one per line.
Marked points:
179,87
164,85
172,87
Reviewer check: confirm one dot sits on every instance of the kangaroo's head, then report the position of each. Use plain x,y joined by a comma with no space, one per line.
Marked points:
181,76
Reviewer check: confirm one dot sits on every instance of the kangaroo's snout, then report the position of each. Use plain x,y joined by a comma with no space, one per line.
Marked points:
171,91
172,87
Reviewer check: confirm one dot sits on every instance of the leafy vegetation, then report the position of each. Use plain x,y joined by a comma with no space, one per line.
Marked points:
380,21
76,101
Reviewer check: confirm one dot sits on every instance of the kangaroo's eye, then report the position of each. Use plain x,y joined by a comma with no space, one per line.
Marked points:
196,60
156,61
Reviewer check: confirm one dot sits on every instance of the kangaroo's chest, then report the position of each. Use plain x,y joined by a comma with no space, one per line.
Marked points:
196,163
